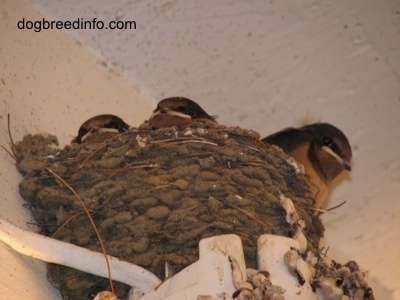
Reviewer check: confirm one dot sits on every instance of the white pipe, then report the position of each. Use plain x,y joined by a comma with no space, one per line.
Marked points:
54,251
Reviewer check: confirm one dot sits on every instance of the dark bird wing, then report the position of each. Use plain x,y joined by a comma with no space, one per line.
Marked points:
288,139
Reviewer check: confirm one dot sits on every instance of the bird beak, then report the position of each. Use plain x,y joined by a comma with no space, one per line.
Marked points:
171,113
178,114
112,130
76,140
342,161
155,113
346,165
100,130
83,138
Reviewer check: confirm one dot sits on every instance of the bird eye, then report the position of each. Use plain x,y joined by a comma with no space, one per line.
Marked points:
327,141
113,125
82,132
190,111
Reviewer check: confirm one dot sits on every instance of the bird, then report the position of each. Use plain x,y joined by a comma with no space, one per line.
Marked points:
105,125
178,111
322,149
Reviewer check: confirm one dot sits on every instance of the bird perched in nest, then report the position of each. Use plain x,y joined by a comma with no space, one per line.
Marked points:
178,111
321,148
99,128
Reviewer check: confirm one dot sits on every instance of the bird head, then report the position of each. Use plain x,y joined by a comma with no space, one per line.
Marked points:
330,148
101,124
177,111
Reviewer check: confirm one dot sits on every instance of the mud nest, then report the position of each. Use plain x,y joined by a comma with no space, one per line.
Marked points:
154,194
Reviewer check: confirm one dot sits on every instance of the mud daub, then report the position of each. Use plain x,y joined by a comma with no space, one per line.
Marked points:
155,193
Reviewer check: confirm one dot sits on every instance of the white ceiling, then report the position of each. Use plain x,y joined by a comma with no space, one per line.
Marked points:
257,64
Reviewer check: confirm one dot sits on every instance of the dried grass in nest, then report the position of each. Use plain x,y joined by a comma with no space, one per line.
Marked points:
154,194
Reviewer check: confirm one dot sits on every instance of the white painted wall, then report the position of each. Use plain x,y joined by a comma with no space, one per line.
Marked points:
258,64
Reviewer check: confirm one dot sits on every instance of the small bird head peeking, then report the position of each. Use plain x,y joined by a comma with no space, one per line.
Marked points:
179,112
321,148
105,126
331,148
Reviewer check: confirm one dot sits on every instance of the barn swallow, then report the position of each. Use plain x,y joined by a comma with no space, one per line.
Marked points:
177,111
321,148
107,125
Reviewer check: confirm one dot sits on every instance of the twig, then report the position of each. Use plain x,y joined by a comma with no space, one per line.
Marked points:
249,215
89,156
184,141
66,223
249,147
12,152
103,248
128,167
322,211
254,163
9,131
54,251
337,206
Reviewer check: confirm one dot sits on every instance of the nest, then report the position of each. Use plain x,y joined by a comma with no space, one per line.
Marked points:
154,194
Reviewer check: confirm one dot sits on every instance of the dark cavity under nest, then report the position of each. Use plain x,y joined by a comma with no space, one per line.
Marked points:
154,194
